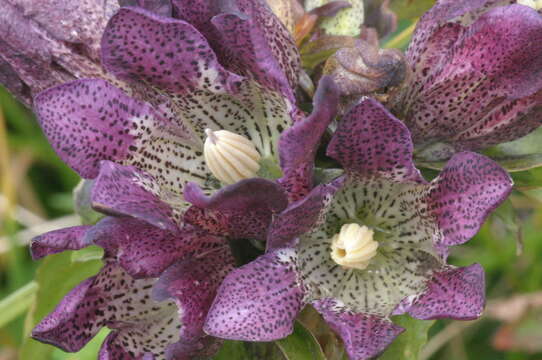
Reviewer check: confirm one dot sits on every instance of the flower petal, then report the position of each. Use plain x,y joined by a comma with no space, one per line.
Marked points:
463,195
457,293
298,144
259,301
370,141
302,215
160,7
192,284
146,251
125,191
241,210
364,335
87,121
167,53
113,299
71,238
204,94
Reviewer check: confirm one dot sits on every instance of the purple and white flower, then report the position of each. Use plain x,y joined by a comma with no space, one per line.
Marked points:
369,244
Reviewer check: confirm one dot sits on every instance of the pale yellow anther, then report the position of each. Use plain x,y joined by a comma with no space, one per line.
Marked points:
353,246
535,4
230,157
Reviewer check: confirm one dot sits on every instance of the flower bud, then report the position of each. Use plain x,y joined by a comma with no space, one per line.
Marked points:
353,246
230,157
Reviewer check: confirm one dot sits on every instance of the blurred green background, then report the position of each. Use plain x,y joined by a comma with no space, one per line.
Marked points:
36,196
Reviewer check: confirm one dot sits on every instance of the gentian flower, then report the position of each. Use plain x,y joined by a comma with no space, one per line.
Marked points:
369,244
156,285
475,78
179,127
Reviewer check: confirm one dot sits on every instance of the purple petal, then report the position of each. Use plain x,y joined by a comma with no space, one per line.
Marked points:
114,299
87,121
72,238
370,141
259,301
302,215
192,284
262,49
298,144
364,335
457,293
167,53
242,210
146,251
125,191
466,191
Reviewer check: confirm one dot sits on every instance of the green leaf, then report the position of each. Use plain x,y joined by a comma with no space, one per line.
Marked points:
56,276
410,9
232,350
518,155
409,344
301,345
17,303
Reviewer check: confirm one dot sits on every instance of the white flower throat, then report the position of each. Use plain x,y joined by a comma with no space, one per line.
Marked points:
535,4
353,246
230,157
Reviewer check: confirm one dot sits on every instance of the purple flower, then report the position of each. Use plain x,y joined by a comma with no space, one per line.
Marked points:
188,107
476,76
156,285
367,245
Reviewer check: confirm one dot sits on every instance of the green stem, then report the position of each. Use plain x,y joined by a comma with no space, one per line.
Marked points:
17,303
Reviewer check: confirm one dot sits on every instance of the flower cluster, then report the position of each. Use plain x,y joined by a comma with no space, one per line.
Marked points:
199,155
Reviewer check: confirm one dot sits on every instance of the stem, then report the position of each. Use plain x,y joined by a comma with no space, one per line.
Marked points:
17,303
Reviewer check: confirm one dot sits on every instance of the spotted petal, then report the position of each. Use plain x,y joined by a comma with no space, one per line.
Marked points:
466,191
146,251
192,284
204,94
87,121
457,293
370,141
259,301
113,299
71,238
298,144
241,210
126,191
364,335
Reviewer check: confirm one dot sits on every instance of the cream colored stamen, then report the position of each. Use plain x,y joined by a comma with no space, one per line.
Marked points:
353,246
535,4
230,157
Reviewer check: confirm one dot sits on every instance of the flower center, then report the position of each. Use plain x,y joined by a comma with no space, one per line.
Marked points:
230,157
535,4
353,246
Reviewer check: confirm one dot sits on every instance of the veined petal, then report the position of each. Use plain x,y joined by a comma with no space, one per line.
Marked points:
463,195
298,144
71,238
241,210
144,250
457,293
259,301
113,299
364,335
370,141
160,7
